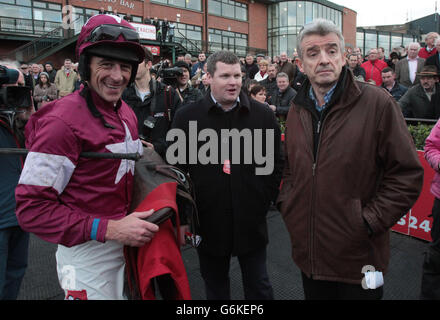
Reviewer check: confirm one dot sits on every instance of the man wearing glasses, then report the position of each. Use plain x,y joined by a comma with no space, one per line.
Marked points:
78,203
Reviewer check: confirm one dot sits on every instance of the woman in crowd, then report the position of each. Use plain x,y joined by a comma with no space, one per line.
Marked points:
258,92
262,74
44,91
431,266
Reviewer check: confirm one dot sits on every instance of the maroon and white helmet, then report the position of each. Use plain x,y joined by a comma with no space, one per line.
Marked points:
108,36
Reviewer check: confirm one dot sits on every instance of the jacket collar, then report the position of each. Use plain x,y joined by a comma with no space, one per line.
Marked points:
346,91
102,104
242,105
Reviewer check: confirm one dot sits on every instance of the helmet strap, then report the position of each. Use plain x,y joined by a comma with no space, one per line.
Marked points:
85,93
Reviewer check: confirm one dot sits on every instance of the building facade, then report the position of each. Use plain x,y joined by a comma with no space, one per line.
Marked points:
256,26
390,37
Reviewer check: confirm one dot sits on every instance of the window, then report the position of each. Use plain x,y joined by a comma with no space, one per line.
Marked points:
370,42
300,11
360,40
309,12
194,5
24,3
286,18
187,4
30,17
12,11
407,40
137,19
227,40
291,8
396,41
283,13
384,42
228,9
39,4
189,36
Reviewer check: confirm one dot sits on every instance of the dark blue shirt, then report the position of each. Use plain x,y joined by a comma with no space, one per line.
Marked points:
10,169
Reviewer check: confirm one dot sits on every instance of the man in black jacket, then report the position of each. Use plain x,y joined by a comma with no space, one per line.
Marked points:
251,66
154,105
391,85
422,100
270,83
281,101
233,190
358,71
188,93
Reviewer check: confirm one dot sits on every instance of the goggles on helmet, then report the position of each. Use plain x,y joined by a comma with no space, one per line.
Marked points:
112,32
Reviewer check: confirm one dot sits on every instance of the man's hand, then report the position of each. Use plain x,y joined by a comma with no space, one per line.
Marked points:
132,230
147,144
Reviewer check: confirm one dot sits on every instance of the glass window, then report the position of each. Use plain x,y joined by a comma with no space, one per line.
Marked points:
407,40
189,4
300,12
7,1
193,35
228,10
309,12
339,15
25,3
39,4
291,13
315,10
283,14
370,41
56,6
177,3
194,5
241,42
241,13
283,43
214,7
384,42
13,11
275,16
228,40
396,41
47,15
92,12
360,40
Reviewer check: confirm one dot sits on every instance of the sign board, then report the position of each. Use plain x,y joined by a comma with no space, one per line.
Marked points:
146,31
417,223
155,50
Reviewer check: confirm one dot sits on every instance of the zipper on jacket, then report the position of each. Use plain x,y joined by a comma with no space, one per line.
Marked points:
313,205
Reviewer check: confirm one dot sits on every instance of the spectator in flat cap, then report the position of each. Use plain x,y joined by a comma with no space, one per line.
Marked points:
422,100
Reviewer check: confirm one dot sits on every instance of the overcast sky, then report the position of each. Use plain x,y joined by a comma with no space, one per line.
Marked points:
384,12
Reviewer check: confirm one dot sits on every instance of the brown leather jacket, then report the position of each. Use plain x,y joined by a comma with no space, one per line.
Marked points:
348,178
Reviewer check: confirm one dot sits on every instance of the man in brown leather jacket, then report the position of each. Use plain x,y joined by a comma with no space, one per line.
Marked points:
351,173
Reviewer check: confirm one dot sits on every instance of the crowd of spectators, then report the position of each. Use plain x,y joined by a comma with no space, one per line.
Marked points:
401,70
49,84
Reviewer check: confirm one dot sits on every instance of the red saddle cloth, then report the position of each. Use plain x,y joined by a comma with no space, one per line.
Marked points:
161,257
